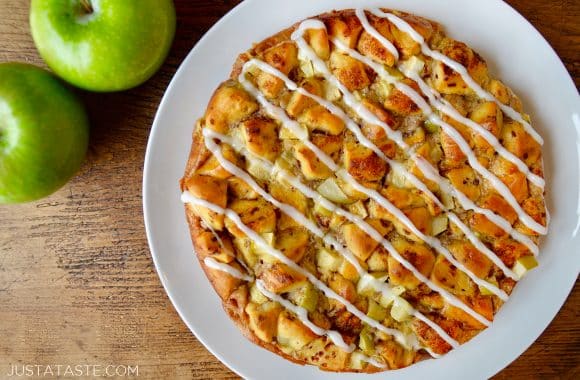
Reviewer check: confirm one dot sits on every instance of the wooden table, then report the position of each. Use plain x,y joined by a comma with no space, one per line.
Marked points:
77,284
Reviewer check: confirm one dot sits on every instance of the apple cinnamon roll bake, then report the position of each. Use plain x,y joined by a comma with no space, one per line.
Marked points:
362,193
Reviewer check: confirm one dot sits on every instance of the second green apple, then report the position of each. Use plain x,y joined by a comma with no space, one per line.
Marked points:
103,45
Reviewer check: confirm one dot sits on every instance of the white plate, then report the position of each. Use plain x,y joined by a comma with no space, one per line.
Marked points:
515,52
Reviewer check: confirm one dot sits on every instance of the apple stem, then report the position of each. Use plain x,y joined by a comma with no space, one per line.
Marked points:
87,7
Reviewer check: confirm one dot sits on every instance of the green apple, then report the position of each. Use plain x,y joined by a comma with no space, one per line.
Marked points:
103,45
44,133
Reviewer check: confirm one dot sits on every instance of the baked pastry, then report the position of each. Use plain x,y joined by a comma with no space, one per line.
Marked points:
362,194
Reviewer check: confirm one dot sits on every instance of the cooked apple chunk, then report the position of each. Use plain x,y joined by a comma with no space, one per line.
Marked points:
524,265
298,102
293,197
419,217
394,354
327,261
213,190
420,256
228,105
519,142
319,118
469,256
288,194
516,181
212,166
306,297
353,193
402,198
490,117
404,42
350,72
284,57
363,164
258,215
449,277
279,278
264,319
399,103
261,137
293,243
359,242
465,180
371,47
446,80
318,40
310,164
504,94
343,287
292,333
329,144
347,30
240,189
244,248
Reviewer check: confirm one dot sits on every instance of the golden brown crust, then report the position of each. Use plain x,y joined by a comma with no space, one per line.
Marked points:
230,105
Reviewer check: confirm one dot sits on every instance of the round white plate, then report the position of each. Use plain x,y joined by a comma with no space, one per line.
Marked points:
515,52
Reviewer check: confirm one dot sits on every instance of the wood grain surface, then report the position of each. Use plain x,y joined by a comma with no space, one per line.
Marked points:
77,283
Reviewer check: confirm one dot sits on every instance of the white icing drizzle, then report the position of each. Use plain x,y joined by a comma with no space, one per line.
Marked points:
468,204
287,209
502,189
379,286
433,354
360,13
405,340
443,106
397,137
431,241
208,226
214,264
300,218
302,315
227,251
279,114
349,98
353,127
446,108
460,69
373,361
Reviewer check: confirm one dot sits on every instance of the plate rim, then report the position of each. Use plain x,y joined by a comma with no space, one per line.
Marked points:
147,168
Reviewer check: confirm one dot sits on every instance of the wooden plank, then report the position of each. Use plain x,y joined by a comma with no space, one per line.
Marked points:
77,284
